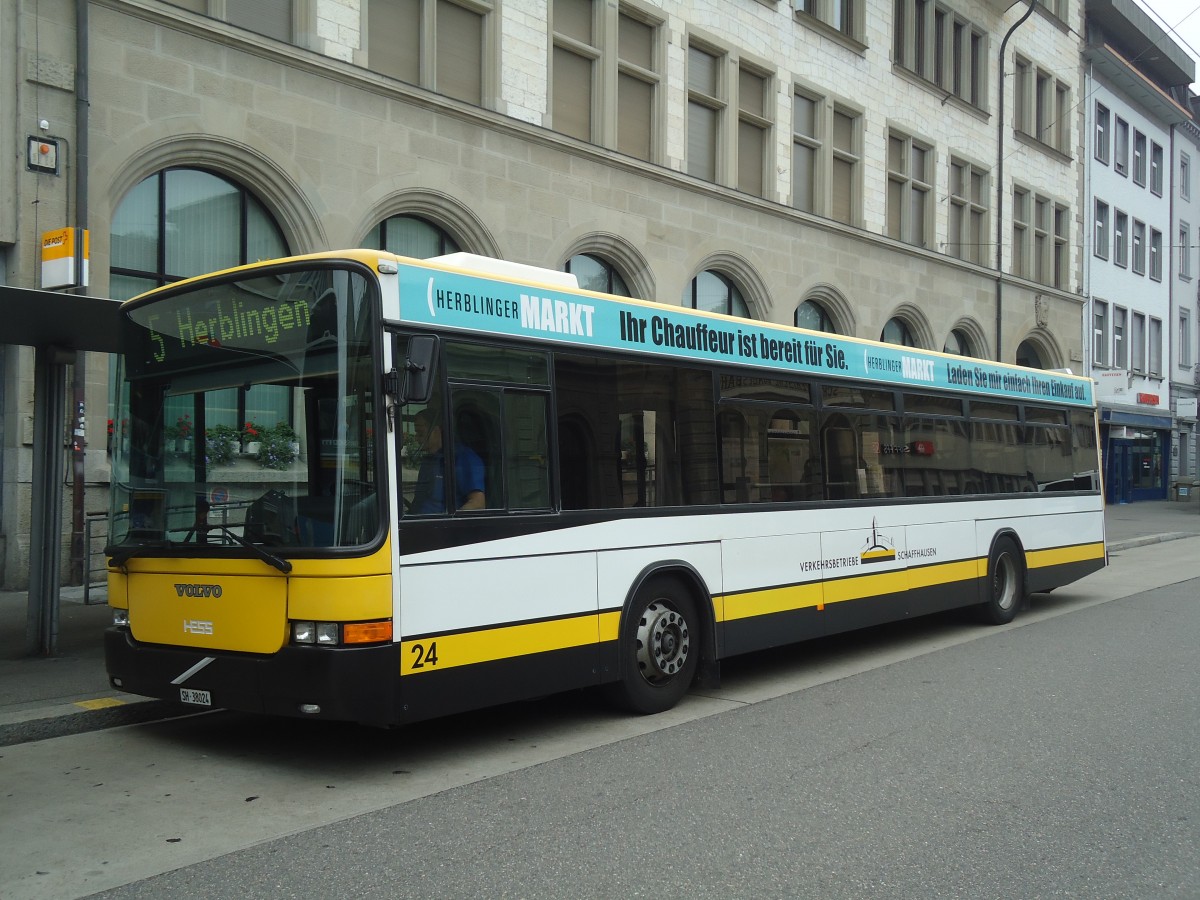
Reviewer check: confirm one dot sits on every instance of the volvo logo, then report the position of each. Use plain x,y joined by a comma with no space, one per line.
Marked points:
198,590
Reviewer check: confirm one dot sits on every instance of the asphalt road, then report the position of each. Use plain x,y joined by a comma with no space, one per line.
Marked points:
1053,758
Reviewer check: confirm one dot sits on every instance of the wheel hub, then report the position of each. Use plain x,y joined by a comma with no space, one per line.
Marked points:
663,642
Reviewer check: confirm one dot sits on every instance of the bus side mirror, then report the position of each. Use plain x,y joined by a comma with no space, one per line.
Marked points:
419,369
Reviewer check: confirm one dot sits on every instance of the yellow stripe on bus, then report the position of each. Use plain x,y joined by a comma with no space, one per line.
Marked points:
452,650
947,573
773,600
1038,559
817,594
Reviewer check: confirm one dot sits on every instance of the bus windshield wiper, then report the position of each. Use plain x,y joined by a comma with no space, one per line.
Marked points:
117,556
265,555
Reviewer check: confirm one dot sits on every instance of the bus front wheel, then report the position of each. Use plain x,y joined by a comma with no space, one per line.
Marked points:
1005,583
660,647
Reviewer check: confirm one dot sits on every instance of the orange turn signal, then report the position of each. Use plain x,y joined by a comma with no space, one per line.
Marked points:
366,632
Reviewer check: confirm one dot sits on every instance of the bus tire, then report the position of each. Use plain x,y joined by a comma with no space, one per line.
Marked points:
1005,583
660,647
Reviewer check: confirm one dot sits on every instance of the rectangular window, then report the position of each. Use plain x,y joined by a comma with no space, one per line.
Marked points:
754,130
967,237
601,62
1120,239
910,191
706,105
271,18
936,43
1156,169
1184,340
1155,339
573,68
1062,252
1101,136
1056,8
1120,345
1121,146
1100,333
845,16
1023,96
1155,254
1021,233
1100,236
1185,176
806,150
1139,247
1042,213
1062,117
1042,105
1185,255
437,44
459,52
394,39
638,83
825,158
1139,158
1137,340
846,140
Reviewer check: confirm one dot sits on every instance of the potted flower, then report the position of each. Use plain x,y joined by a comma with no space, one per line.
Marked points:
221,445
251,438
180,432
279,449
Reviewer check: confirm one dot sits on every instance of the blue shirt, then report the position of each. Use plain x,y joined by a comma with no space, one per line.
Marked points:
430,495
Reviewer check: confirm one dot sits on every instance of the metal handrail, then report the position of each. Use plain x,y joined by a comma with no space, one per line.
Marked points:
91,547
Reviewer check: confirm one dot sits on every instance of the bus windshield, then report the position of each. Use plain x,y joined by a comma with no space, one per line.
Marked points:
246,416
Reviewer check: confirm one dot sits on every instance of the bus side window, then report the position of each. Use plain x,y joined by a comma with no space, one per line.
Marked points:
578,476
841,455
526,450
477,429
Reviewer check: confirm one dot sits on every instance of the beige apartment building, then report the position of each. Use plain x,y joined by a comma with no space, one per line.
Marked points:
909,169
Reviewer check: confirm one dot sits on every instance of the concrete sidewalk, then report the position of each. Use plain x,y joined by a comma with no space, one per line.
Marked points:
69,693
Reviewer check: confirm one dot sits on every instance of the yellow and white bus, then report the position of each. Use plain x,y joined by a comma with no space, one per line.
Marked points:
362,487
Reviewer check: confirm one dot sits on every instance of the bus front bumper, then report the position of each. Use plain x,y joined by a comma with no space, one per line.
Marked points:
355,684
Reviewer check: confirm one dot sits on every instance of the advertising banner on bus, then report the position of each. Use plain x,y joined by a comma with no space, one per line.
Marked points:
456,300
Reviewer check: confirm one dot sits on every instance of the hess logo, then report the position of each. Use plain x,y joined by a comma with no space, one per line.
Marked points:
198,590
197,626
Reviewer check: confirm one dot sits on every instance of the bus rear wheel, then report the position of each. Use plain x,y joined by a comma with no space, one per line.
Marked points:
1006,583
660,647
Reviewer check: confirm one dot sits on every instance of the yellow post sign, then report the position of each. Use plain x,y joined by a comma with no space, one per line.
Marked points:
65,258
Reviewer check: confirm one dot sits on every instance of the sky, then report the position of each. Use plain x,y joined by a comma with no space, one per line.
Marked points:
1184,17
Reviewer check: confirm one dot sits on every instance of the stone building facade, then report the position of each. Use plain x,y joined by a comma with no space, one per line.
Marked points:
853,163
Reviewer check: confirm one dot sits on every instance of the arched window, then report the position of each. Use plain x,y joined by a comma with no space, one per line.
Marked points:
713,292
1028,355
959,344
183,222
411,236
896,331
812,315
597,274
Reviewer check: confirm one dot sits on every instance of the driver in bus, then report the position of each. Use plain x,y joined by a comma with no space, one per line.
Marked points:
430,494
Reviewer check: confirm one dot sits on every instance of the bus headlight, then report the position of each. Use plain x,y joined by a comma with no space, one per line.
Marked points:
337,634
121,618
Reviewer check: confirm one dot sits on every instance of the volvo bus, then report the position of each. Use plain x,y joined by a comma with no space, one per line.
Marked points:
361,487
